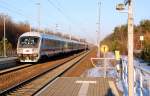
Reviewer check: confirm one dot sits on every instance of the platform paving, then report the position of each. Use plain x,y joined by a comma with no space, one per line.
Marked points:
7,58
7,62
80,86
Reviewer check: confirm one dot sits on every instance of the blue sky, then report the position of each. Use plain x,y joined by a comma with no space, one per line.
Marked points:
80,15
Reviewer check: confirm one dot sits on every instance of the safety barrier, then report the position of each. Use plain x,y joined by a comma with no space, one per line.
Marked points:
105,65
141,79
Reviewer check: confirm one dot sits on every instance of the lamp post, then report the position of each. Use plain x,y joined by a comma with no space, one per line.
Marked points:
130,46
39,15
98,31
69,32
4,38
130,49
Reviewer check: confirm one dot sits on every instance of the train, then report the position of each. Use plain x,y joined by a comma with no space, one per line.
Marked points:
32,46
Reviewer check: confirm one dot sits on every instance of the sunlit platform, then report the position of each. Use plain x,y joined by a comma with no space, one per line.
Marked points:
79,86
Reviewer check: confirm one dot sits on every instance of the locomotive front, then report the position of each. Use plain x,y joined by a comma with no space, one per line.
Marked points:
28,48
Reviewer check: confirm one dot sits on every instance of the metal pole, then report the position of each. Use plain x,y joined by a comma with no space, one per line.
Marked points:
98,51
98,32
130,50
39,14
4,46
99,25
141,83
30,27
141,45
56,28
70,32
105,65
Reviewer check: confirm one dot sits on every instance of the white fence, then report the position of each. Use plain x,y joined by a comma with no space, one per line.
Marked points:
141,79
107,66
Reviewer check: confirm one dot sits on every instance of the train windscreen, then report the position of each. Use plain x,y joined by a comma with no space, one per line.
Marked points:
29,42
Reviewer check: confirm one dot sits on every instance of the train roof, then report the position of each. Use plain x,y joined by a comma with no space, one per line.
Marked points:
53,37
31,34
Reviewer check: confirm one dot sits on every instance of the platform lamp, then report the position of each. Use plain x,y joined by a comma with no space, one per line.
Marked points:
130,44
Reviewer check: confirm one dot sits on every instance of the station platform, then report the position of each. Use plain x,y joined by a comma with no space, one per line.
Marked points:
80,86
7,58
7,62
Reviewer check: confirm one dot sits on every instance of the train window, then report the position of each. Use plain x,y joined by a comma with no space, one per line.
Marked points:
57,43
49,43
28,42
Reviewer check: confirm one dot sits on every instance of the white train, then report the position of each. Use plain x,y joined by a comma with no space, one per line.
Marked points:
32,46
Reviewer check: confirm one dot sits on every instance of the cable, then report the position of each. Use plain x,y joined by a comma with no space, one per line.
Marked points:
66,16
17,11
59,9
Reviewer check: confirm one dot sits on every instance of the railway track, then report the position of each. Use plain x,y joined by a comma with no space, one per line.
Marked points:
36,77
5,71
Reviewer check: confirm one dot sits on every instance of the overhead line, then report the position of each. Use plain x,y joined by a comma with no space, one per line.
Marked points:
58,9
66,16
10,5
18,11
